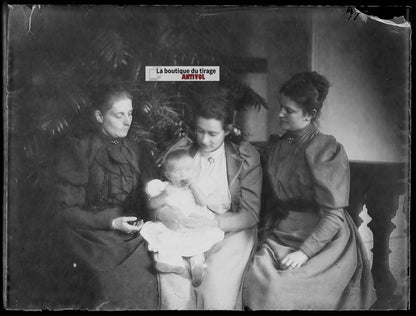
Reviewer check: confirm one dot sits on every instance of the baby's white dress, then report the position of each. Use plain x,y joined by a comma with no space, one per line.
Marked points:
172,245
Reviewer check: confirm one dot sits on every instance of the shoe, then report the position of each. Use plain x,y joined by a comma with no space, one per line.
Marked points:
167,268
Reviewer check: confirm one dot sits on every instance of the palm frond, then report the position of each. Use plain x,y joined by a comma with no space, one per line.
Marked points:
110,47
67,55
53,123
140,134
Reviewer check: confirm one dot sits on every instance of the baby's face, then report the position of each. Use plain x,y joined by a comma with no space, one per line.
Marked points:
180,171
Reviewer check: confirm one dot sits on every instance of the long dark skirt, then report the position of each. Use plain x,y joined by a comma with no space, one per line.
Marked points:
103,270
338,277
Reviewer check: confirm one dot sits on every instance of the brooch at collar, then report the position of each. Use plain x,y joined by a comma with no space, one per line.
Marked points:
291,140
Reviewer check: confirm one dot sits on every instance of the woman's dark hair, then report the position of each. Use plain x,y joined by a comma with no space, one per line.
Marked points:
215,104
104,96
308,90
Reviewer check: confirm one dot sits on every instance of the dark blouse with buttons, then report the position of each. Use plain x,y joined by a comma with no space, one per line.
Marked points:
99,179
307,171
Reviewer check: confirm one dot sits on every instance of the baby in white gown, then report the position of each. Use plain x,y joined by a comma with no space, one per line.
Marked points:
170,246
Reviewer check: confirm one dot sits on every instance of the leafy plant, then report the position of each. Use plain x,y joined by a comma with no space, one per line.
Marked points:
62,53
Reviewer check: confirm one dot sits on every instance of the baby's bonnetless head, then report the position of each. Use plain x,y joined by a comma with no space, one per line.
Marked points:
178,166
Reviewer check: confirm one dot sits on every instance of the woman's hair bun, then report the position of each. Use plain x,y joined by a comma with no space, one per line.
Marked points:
308,89
320,83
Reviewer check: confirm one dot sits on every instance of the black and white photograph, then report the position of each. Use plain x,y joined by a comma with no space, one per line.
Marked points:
206,157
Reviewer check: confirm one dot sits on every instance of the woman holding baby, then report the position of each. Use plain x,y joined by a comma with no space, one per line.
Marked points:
229,176
310,257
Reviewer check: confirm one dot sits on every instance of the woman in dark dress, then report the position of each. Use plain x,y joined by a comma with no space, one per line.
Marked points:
103,261
312,256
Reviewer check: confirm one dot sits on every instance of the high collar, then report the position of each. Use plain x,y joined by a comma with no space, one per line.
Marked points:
109,140
293,136
114,152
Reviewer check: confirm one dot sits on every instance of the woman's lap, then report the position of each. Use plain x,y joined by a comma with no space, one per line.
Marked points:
129,284
132,284
321,283
176,291
220,289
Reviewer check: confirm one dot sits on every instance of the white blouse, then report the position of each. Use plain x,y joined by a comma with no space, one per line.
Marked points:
212,179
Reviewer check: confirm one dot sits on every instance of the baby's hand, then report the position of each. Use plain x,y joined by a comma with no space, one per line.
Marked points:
185,183
171,217
191,178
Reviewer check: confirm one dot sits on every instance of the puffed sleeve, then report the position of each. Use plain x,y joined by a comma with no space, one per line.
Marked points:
155,187
329,167
72,179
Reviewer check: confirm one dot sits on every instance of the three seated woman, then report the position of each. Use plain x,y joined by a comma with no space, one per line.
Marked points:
309,254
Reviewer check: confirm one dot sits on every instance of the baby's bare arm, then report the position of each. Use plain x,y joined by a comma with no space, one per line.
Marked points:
157,201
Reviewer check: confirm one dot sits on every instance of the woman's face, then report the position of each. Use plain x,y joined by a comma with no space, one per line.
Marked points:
116,121
291,115
210,134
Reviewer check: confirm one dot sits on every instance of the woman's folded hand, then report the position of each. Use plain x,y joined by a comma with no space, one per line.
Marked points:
293,260
122,224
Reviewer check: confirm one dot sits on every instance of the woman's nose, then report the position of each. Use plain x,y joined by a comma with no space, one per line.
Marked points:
282,113
205,139
127,121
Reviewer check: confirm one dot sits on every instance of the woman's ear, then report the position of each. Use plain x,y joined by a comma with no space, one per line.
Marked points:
311,116
98,116
228,129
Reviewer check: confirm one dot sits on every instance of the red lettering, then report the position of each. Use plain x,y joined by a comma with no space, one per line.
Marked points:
193,77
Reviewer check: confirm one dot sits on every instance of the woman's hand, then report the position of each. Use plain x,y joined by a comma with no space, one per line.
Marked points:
171,217
195,221
294,260
121,224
